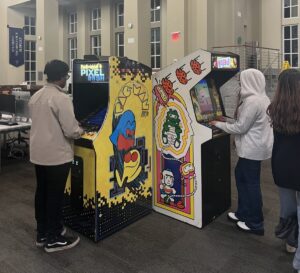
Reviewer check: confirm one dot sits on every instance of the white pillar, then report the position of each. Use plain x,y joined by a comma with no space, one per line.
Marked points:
47,34
137,30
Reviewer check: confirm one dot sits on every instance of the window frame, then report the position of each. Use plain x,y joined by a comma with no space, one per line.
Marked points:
30,52
155,10
72,24
290,7
72,49
118,45
96,19
290,54
154,43
96,48
30,28
119,15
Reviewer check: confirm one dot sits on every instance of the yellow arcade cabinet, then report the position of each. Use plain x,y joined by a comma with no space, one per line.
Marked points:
110,183
192,158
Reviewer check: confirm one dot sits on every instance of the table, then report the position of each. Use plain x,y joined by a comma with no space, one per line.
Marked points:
4,129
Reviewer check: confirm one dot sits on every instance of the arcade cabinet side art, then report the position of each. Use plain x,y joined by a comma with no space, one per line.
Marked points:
177,185
124,191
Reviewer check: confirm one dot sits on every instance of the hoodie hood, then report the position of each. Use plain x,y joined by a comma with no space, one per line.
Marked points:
252,83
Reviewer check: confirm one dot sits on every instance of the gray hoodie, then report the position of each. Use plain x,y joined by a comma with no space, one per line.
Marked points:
53,127
252,130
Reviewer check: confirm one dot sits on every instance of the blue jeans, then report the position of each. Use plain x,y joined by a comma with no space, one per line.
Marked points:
288,202
247,176
296,262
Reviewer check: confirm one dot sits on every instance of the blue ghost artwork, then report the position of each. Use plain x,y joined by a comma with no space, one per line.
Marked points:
123,136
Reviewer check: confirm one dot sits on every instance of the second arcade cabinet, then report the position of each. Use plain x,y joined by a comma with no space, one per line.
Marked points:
111,178
192,158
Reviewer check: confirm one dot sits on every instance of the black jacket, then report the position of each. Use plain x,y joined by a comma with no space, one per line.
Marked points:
286,161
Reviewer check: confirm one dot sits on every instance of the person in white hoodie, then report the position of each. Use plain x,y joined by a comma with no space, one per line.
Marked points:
254,141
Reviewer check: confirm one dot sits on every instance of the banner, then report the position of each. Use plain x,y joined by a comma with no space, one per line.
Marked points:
16,46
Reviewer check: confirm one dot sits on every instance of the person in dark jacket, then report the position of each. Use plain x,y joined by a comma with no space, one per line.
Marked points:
284,112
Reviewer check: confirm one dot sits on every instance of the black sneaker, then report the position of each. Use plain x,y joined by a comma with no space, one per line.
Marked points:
61,243
41,238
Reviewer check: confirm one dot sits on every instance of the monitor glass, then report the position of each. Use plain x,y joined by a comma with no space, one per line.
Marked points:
7,104
206,101
90,101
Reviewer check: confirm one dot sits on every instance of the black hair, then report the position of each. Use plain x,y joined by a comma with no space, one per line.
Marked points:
56,70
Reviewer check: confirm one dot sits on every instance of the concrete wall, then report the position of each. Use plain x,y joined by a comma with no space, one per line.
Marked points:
197,23
47,35
174,20
3,35
271,23
136,25
253,20
223,29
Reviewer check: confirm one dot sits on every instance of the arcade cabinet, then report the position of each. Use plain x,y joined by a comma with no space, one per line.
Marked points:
110,185
192,158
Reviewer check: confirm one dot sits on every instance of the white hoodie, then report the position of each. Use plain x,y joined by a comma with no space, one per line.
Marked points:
252,130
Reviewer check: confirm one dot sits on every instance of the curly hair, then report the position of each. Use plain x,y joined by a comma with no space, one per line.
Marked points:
284,111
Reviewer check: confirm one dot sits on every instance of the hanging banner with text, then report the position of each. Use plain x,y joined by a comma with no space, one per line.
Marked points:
16,46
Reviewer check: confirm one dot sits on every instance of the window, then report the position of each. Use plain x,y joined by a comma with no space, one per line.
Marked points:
155,10
120,44
155,47
290,45
72,50
29,26
72,23
120,15
96,19
290,8
96,45
30,61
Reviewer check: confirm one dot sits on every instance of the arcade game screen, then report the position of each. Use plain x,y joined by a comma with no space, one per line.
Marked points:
206,101
224,62
90,93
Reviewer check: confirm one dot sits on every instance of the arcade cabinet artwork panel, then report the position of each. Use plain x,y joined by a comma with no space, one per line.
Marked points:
176,183
124,193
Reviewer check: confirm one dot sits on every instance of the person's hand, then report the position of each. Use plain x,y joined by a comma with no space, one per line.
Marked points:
213,122
221,118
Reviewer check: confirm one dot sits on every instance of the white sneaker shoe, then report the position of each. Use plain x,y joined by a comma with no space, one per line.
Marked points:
242,226
290,249
231,217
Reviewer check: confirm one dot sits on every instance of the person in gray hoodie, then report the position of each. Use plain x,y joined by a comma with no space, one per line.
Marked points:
51,137
253,140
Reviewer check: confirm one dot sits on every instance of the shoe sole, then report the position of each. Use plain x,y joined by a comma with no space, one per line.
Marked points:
40,244
290,249
252,231
50,250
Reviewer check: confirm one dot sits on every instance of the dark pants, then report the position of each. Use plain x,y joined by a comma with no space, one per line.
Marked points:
247,175
51,182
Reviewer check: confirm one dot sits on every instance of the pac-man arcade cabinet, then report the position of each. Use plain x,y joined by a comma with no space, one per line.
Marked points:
111,179
192,158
